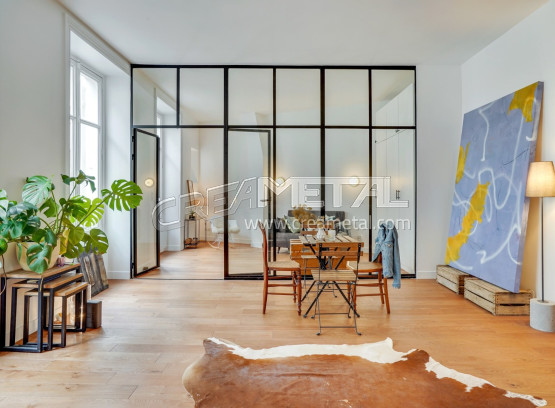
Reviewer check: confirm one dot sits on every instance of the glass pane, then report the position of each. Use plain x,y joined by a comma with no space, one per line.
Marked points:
393,158
210,179
88,158
347,97
148,85
297,164
347,171
72,90
247,207
202,96
250,97
146,178
298,96
90,98
393,97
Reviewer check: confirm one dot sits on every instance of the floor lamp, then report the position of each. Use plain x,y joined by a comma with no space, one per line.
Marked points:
541,183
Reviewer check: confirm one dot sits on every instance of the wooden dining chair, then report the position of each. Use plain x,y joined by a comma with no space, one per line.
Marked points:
333,277
370,275
270,275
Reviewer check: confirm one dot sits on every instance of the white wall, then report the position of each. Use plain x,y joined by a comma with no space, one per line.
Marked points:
520,57
439,125
117,166
32,92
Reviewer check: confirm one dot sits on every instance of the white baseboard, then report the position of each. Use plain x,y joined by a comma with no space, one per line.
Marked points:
117,274
425,274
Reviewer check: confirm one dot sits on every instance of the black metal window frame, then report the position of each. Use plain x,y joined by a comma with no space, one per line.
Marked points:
322,126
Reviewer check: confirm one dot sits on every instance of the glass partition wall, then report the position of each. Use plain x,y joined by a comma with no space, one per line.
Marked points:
266,139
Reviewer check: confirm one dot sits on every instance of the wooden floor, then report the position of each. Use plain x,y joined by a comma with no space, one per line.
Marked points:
206,262
152,329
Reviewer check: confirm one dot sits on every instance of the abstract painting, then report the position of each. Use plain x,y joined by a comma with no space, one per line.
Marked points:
489,210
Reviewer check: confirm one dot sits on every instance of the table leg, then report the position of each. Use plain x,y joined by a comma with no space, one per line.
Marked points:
299,292
3,289
40,298
50,320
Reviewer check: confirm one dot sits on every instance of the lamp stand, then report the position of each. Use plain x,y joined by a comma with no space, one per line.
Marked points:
542,313
541,228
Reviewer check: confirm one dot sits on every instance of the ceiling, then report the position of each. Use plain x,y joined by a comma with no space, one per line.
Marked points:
300,32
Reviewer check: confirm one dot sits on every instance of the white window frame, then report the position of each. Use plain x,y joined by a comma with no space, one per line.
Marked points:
75,148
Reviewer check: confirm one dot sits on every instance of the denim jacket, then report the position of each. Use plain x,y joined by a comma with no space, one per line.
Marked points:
387,245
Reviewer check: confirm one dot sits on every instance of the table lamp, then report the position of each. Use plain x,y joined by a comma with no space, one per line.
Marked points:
541,183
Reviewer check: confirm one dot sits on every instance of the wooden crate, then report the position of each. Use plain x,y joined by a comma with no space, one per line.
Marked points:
451,278
497,301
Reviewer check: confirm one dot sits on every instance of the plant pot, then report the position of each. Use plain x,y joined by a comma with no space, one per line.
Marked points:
23,259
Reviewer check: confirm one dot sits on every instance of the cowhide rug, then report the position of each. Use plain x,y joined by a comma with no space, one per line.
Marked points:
314,375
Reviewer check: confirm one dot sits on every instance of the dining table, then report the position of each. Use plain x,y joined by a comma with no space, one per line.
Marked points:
310,245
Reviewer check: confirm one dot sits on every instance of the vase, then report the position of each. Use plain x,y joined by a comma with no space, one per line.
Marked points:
23,259
321,234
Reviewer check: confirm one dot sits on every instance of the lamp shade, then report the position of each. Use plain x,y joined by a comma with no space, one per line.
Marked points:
541,180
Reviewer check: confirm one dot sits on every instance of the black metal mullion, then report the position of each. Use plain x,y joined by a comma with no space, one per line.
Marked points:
243,66
323,140
272,195
178,96
133,214
415,171
226,173
370,163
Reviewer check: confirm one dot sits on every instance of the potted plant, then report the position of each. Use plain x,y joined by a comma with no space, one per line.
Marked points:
68,225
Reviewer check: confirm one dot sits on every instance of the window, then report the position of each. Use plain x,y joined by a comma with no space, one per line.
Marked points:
85,124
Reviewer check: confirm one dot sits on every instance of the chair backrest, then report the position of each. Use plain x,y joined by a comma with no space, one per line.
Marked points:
337,252
264,248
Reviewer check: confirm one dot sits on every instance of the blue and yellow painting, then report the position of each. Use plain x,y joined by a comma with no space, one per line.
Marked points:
490,210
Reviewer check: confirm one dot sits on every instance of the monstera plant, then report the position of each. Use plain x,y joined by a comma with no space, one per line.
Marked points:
41,225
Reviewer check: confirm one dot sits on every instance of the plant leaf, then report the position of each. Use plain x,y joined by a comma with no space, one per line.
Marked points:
3,203
80,179
14,209
97,241
3,247
37,189
123,195
95,212
77,207
50,208
47,235
30,225
19,250
16,230
70,243
38,257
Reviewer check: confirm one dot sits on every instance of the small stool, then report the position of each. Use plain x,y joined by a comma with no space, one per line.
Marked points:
77,289
26,284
